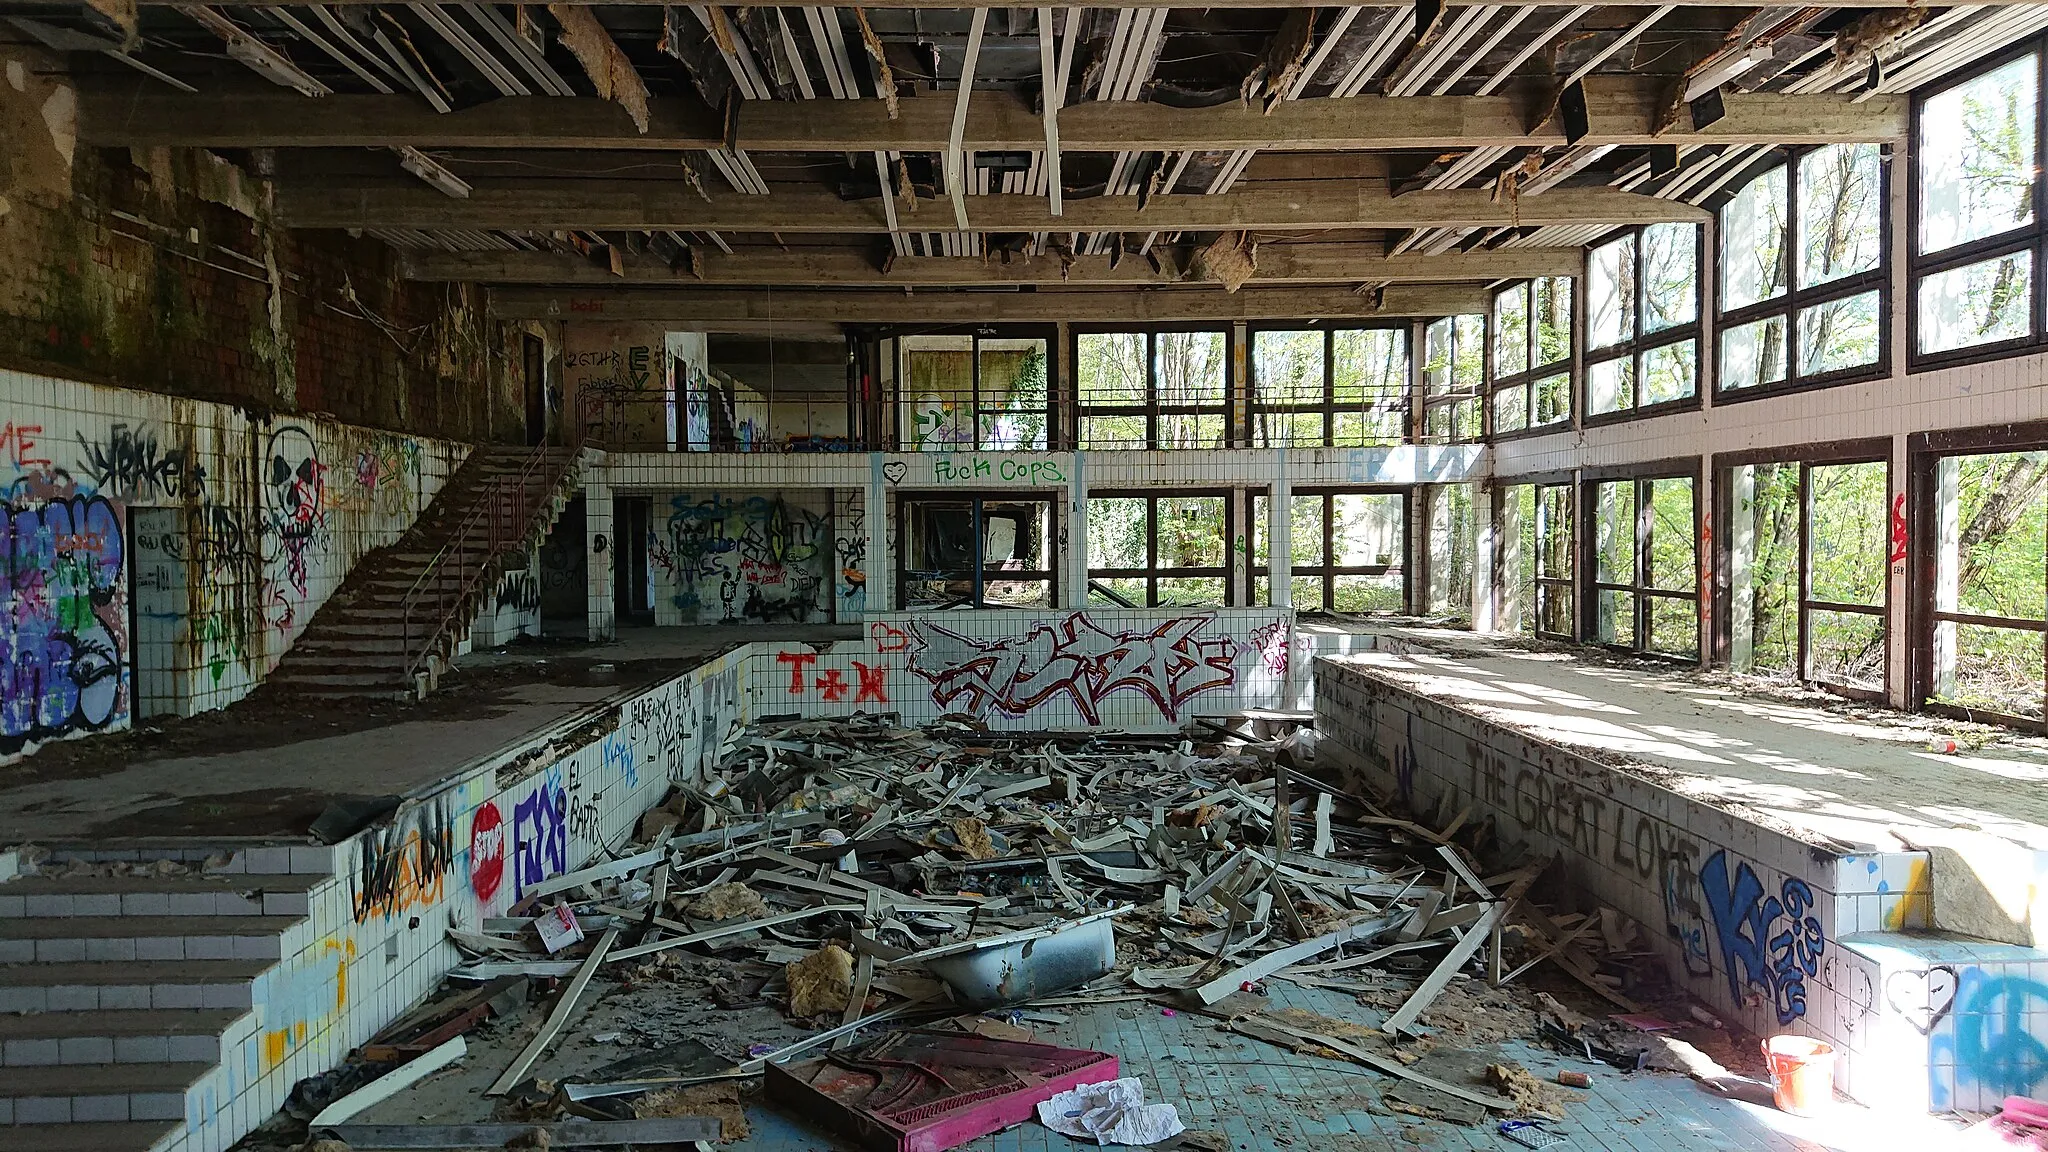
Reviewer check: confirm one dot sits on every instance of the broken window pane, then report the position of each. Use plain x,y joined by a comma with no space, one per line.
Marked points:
1436,357
1010,394
1977,165
1611,293
1753,242
1511,409
1554,553
1764,569
1839,334
1672,560
1191,531
1840,214
1753,354
1980,303
1553,399
1614,532
1287,367
1845,648
1192,367
1998,669
1116,532
1369,378
1366,529
2001,518
1847,533
1110,367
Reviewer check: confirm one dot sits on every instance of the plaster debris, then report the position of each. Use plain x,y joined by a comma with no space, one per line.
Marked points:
820,982
727,901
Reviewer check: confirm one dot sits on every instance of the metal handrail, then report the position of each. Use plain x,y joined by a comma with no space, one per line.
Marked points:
502,517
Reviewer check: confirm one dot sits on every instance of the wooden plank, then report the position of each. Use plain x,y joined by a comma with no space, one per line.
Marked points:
604,871
1621,111
1293,1039
1223,985
392,1083
698,937
552,1026
1420,1000
566,1134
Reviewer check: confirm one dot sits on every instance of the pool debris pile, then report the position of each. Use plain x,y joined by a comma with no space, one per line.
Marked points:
876,882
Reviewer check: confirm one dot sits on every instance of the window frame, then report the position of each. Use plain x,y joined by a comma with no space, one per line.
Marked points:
1527,378
2031,238
1327,407
1568,583
1925,451
1806,458
1151,409
1152,573
1425,404
1793,299
1639,588
981,575
892,416
1637,344
1327,572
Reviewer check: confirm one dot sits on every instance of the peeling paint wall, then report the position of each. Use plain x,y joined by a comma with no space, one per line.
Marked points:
161,554
161,269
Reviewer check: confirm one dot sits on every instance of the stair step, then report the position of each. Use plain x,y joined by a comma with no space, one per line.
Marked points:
68,939
127,985
137,1135
135,1037
107,1094
238,894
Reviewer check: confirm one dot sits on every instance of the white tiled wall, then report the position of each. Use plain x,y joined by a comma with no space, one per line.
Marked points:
252,524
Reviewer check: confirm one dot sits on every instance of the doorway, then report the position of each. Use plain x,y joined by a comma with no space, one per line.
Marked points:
534,361
631,516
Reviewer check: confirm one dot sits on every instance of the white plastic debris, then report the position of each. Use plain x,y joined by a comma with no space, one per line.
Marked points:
1112,1112
558,927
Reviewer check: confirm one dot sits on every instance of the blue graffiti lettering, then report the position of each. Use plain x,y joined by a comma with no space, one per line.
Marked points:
1743,920
540,834
63,620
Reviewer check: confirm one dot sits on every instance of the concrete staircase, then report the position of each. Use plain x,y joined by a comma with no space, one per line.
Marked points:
120,994
357,644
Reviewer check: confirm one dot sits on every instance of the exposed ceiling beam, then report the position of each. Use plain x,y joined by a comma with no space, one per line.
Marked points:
1620,111
656,205
1107,306
845,268
949,5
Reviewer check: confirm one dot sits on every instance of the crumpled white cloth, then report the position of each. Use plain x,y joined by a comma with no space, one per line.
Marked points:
1113,1112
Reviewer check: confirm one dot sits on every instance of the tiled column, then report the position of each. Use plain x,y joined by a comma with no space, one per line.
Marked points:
601,611
879,566
1074,574
1280,535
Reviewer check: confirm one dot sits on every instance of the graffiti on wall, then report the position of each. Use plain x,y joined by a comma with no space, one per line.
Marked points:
830,684
1168,664
1270,642
729,559
294,501
540,834
129,463
1993,1042
63,620
1770,943
849,519
486,851
405,864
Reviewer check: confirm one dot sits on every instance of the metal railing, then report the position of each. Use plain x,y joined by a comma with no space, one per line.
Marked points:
497,521
707,422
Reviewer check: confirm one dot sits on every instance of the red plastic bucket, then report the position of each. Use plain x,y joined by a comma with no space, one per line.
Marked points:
1802,1073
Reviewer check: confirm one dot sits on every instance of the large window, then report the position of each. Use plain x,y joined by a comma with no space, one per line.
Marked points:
1977,236
1164,389
1149,551
1642,320
1532,355
1641,537
1550,537
1806,547
1801,272
1453,374
1349,551
962,393
1344,387
993,551
1989,618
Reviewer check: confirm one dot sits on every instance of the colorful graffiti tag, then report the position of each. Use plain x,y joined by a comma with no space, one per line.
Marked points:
63,621
540,834
1992,1042
1767,942
733,558
405,864
1168,663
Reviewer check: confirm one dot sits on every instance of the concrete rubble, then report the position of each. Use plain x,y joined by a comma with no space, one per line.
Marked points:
830,867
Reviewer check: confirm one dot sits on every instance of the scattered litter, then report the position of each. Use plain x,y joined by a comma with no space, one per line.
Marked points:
1531,1096
558,928
1573,1079
1530,1133
1113,1112
727,901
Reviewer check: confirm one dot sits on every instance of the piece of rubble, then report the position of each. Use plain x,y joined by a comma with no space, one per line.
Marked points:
727,901
820,982
1532,1097
721,1102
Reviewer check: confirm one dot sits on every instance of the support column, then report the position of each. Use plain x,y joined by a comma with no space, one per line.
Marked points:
1508,582
1898,688
1742,568
876,563
1073,538
1280,535
1485,537
601,613
1948,555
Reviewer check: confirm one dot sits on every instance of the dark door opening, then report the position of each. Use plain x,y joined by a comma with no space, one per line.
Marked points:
630,577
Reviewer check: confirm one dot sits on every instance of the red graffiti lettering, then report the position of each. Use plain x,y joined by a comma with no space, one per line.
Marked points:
1898,528
18,442
888,639
797,662
486,851
1167,663
871,685
833,684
